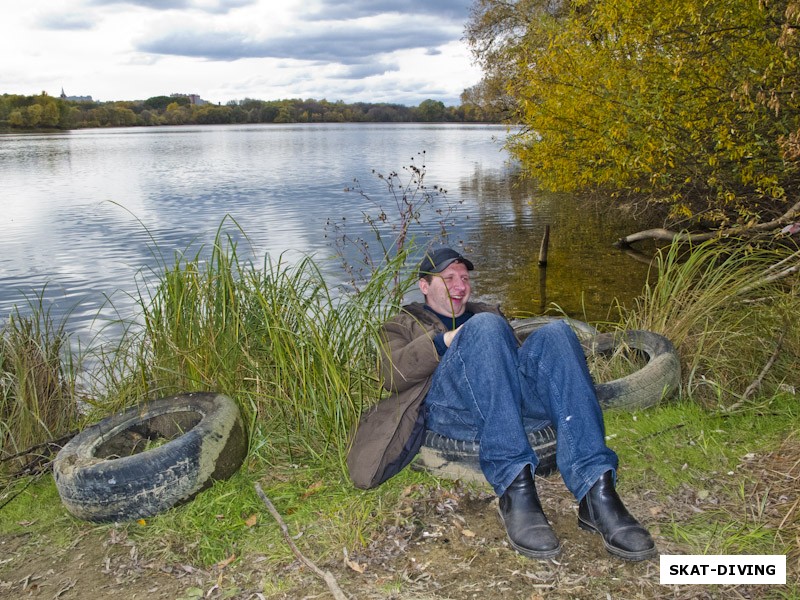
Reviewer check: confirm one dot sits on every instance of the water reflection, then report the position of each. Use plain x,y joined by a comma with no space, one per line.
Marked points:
585,275
88,217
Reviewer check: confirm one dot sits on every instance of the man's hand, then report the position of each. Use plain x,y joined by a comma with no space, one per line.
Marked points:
448,336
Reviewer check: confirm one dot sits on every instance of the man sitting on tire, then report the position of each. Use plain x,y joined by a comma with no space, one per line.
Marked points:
455,367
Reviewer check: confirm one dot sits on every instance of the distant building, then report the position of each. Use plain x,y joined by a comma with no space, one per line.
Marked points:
194,99
75,98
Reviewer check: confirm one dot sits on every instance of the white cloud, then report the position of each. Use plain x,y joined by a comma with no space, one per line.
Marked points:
230,49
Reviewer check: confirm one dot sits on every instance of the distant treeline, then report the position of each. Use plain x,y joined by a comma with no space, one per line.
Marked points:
48,112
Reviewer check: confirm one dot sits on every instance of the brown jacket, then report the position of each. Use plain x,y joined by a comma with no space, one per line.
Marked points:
390,433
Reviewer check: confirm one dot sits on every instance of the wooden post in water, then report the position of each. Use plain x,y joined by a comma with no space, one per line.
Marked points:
543,269
542,289
543,247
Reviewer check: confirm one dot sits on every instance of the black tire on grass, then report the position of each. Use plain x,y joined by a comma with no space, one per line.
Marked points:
109,472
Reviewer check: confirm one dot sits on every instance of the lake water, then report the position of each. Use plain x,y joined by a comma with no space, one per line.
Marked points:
85,214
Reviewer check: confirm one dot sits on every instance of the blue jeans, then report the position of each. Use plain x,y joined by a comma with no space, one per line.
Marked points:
489,389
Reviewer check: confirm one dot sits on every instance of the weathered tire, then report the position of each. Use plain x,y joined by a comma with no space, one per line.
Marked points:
100,478
524,327
454,459
658,379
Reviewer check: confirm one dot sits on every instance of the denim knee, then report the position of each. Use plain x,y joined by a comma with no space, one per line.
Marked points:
487,319
557,330
557,334
492,325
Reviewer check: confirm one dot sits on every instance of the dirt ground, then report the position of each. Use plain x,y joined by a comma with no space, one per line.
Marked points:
447,545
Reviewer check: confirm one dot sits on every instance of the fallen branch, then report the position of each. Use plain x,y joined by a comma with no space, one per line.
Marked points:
775,273
326,576
784,262
679,236
757,382
37,463
51,445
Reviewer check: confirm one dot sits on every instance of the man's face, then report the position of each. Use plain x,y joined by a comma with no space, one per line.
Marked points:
448,291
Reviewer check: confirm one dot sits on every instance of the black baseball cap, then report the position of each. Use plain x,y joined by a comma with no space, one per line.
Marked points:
437,260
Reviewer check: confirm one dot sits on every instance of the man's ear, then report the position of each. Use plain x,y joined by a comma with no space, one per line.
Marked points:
423,286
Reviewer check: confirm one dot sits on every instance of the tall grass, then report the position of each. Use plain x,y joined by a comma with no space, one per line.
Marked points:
727,321
297,355
37,380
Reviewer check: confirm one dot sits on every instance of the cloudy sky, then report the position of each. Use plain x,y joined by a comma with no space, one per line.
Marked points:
400,51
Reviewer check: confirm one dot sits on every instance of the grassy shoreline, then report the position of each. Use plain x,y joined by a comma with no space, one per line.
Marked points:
300,361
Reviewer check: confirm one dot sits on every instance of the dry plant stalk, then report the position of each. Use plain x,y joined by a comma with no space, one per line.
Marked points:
326,576
757,383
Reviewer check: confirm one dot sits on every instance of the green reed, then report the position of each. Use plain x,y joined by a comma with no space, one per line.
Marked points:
297,355
37,380
726,319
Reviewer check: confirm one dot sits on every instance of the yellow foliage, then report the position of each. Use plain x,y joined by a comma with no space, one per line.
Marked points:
677,99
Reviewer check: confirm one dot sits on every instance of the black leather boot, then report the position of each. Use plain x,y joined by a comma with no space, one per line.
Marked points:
521,512
601,511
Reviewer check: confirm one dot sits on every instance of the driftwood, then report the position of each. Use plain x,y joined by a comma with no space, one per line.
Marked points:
668,235
326,576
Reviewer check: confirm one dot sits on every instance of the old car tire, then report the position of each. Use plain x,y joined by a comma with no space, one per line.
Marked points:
107,472
524,327
658,379
454,459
